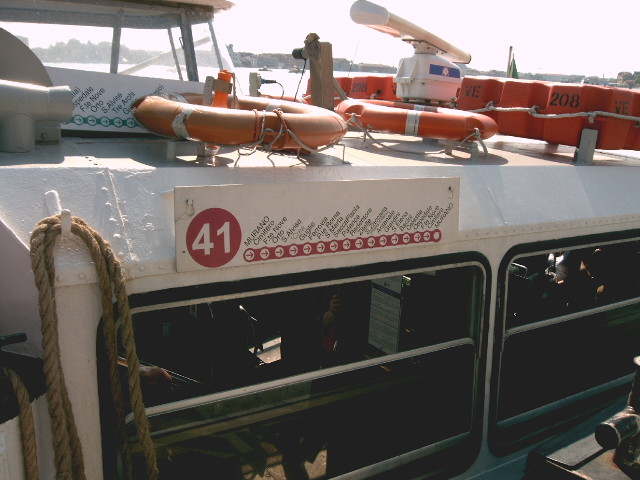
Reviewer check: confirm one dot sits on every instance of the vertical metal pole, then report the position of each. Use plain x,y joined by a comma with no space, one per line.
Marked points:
205,154
510,63
216,48
175,54
189,48
115,43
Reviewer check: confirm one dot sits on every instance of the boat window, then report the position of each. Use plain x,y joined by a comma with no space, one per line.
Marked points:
66,46
318,381
572,318
155,53
133,42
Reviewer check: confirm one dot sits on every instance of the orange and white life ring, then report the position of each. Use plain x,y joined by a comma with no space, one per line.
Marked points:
417,120
257,121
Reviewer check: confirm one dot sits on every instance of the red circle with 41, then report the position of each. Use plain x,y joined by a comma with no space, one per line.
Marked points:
213,237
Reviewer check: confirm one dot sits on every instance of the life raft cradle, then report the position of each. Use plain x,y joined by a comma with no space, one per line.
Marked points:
558,113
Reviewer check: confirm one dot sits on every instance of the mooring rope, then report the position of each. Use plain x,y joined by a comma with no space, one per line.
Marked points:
27,429
68,451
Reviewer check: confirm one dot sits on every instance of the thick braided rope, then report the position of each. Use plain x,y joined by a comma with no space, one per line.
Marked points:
98,251
69,463
27,428
109,271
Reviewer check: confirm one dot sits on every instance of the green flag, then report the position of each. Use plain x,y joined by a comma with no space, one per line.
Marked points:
514,70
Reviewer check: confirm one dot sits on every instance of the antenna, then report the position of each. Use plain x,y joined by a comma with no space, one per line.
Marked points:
380,19
429,76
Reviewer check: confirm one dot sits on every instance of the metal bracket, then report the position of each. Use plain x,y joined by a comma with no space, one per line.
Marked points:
471,147
206,153
585,151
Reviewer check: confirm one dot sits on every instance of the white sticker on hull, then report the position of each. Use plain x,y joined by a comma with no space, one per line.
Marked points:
228,225
102,101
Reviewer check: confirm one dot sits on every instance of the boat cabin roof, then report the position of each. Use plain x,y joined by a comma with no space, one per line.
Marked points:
104,13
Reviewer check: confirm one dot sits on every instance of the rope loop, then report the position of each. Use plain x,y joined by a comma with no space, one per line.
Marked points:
68,451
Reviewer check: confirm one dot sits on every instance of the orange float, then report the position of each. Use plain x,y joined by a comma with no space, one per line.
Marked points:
366,87
417,120
275,124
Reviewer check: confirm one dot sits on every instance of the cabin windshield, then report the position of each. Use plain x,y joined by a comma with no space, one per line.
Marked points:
327,379
149,41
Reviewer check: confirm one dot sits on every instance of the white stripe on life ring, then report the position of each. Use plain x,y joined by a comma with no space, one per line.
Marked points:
413,122
179,122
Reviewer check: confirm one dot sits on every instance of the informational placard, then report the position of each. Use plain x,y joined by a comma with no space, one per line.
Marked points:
386,307
229,225
102,101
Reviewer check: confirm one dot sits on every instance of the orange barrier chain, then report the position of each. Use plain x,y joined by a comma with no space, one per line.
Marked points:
562,110
272,123
417,120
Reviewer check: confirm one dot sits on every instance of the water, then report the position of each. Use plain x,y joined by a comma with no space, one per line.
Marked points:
287,84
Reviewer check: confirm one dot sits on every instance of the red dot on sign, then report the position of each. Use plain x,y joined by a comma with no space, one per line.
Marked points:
213,237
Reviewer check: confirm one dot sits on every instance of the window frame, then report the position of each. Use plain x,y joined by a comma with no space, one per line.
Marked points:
592,399
478,335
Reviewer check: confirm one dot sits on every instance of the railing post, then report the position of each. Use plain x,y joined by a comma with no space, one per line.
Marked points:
320,56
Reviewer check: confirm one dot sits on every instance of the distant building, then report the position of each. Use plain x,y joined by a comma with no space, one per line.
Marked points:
376,68
235,57
342,65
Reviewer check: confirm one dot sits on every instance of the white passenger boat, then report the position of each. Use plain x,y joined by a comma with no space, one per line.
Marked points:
314,300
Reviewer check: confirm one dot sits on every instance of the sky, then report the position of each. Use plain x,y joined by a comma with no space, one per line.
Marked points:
583,37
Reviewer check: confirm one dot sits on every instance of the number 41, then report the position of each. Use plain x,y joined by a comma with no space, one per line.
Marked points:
203,239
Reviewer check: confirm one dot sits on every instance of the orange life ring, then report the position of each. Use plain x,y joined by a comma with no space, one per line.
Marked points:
417,120
274,123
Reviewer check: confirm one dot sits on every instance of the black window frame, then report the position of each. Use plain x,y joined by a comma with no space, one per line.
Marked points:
408,464
576,409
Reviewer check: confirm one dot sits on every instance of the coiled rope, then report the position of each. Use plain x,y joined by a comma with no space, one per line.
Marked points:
68,451
27,428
